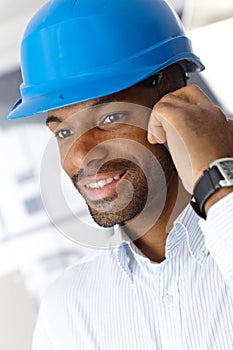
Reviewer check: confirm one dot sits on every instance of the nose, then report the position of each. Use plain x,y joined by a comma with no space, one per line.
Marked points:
87,152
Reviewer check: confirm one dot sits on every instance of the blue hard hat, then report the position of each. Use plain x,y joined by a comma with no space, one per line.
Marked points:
77,50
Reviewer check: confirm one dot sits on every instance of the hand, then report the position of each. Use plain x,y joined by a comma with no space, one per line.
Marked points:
196,131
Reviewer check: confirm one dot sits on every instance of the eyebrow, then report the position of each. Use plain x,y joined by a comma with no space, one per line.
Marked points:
53,119
106,100
97,104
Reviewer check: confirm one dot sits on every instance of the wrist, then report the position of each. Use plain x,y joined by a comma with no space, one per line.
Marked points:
215,183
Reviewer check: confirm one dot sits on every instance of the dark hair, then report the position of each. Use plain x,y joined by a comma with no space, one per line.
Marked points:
156,79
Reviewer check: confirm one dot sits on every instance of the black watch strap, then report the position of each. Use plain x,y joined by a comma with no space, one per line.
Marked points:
207,185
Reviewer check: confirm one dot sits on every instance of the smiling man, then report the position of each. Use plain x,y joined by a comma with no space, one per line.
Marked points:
93,135
139,146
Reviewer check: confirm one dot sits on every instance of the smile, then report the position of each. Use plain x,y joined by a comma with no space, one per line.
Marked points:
102,186
103,183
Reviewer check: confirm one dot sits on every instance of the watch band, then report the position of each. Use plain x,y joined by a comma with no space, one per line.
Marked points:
207,185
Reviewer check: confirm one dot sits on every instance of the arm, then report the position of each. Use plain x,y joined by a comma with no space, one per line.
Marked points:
224,191
197,133
218,231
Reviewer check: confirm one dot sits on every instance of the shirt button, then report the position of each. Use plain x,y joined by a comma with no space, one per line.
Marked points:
167,299
200,254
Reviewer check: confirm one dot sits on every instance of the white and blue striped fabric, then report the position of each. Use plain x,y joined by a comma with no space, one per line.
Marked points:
117,299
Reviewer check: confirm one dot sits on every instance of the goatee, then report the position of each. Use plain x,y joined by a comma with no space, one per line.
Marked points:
123,205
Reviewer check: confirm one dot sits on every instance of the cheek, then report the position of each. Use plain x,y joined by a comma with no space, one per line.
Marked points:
67,159
71,155
67,165
133,133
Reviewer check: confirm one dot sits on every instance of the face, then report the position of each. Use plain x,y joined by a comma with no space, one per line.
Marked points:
105,152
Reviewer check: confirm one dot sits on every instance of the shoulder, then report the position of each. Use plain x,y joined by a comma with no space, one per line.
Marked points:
80,279
69,298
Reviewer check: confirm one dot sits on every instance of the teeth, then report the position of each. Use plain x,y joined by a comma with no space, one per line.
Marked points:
102,183
109,180
93,185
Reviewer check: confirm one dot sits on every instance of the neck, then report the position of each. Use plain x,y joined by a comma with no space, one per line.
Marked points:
150,230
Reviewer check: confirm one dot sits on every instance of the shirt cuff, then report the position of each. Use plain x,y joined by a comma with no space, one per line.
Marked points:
218,232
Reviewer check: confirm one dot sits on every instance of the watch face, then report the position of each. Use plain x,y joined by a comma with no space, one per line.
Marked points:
227,167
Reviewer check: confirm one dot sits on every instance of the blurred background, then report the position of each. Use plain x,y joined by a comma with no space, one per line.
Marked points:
32,250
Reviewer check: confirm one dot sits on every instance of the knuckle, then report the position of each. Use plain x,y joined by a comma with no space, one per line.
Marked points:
162,104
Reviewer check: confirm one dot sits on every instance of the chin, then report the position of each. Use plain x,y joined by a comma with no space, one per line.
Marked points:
111,218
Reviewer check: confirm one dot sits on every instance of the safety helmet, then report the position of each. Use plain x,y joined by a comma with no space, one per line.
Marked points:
77,50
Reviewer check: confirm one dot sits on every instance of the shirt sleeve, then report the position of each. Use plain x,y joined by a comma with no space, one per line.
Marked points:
218,232
41,339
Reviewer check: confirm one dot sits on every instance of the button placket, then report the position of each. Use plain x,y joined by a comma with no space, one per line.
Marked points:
167,299
169,293
169,305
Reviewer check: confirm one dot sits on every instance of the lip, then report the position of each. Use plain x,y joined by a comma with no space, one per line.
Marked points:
100,193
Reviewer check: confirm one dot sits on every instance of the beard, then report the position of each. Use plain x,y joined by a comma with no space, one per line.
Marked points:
126,202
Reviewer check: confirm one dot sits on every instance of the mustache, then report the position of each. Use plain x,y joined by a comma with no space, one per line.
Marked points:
119,165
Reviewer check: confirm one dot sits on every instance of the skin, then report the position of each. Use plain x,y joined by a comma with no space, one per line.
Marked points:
155,184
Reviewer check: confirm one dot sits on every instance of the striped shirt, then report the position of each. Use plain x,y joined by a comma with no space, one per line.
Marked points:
117,299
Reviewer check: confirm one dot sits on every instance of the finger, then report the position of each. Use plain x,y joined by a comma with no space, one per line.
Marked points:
156,132
187,95
156,135
192,94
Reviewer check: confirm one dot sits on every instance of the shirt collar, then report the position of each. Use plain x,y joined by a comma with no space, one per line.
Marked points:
186,227
188,222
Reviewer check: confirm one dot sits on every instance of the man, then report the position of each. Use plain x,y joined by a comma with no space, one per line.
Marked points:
137,144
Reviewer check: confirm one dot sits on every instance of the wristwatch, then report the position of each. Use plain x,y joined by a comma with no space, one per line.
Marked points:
219,174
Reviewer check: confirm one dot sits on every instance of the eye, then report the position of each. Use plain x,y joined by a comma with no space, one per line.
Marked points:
113,117
63,134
